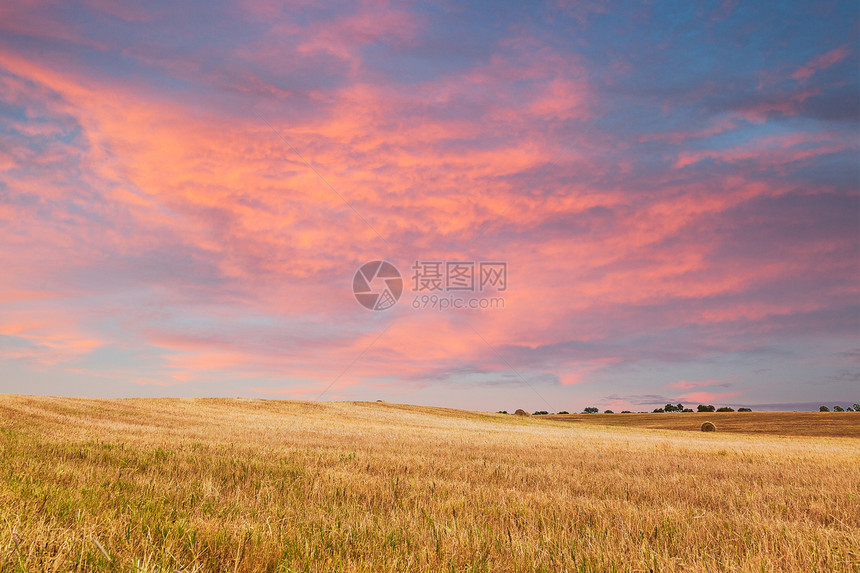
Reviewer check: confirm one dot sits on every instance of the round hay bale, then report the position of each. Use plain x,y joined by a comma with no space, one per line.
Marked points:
709,427
521,412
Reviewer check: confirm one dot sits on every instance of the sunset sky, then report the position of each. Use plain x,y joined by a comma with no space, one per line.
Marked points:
188,189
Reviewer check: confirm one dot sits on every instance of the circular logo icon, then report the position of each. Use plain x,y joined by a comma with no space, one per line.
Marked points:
377,285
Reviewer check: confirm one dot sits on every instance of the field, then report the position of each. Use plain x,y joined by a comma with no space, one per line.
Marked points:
252,485
822,424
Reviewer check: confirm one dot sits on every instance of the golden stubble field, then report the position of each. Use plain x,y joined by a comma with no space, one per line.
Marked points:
252,485
821,424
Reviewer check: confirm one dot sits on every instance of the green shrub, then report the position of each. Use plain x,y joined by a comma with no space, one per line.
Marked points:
838,409
541,413
658,411
744,409
590,410
824,409
608,412
626,412
564,412
703,408
502,412
725,409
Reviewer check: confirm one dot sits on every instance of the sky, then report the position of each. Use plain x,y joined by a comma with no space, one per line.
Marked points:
187,191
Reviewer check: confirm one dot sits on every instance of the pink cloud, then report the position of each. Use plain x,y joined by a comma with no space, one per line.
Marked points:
717,127
689,384
821,62
707,397
773,150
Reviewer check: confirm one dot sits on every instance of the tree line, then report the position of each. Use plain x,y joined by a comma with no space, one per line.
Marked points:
680,408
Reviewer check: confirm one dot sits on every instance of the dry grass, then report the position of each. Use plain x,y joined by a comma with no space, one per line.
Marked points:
821,424
241,485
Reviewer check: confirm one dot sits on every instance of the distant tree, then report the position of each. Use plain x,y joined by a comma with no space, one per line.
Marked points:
591,410
857,407
608,412
658,410
564,412
824,409
541,413
838,409
849,409
679,407
725,409
502,412
687,410
744,409
669,408
703,408
626,412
